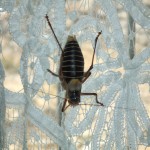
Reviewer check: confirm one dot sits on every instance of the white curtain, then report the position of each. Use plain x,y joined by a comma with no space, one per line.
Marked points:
31,117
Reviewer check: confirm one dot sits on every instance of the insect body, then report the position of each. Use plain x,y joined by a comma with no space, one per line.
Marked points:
71,72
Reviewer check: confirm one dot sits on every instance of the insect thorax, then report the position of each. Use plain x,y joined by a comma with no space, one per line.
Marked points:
74,85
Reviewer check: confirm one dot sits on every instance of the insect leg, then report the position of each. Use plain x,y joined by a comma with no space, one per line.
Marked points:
86,74
54,74
94,94
57,43
64,105
86,77
53,32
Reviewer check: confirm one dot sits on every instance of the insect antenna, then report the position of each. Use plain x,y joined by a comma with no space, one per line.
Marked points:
85,104
42,92
124,108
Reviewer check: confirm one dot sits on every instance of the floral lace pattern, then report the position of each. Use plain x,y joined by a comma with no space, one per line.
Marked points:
123,123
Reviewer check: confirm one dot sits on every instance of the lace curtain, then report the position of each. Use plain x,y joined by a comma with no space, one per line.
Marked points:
31,116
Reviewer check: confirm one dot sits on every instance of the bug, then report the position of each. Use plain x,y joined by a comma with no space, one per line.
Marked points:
71,71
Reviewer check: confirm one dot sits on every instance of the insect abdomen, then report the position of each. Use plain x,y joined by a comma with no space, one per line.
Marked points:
72,61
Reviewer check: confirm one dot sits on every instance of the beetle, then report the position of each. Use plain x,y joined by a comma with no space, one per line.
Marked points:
71,71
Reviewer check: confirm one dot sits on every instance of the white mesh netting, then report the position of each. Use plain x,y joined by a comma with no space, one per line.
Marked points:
31,99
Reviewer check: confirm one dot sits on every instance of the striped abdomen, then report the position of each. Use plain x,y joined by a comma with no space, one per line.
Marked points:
72,61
